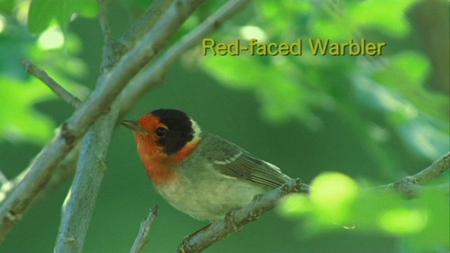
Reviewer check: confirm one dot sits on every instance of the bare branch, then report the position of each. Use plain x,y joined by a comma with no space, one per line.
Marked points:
80,202
66,168
154,75
98,103
64,171
117,48
51,83
163,64
410,186
146,22
236,219
112,50
103,19
433,171
142,238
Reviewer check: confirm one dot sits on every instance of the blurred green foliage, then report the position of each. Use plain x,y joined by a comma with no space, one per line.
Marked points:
375,118
43,12
336,202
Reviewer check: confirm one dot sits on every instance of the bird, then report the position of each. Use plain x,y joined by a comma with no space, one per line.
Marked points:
198,173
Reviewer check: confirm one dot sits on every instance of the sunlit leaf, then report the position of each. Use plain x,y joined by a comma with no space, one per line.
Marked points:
332,196
18,119
386,16
295,205
403,221
43,12
87,8
436,233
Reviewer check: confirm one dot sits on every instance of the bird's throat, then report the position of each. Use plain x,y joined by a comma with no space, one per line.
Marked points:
160,167
161,170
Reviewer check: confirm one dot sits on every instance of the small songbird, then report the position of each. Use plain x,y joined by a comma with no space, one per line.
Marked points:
199,173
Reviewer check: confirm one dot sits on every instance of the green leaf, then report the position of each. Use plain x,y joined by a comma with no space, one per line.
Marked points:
436,233
87,8
386,16
402,221
43,12
18,119
333,195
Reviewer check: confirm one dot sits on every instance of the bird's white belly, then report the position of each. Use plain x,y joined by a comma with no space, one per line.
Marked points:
223,194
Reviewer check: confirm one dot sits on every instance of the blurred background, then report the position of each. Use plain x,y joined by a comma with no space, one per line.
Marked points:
373,118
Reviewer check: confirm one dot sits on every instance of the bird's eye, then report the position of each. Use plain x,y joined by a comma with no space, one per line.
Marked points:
161,131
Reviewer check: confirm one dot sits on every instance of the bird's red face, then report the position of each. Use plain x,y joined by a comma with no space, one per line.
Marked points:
164,138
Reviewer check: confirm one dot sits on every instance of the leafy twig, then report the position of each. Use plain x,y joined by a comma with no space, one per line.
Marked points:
142,238
51,83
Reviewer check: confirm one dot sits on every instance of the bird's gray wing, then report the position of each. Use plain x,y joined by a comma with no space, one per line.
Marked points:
233,161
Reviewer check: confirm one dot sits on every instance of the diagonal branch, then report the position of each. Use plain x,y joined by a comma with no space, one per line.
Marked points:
80,203
433,171
103,20
236,219
98,104
66,169
51,83
161,66
146,22
154,75
204,238
410,186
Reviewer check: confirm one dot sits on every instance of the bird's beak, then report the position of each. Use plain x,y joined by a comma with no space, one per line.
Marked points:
133,125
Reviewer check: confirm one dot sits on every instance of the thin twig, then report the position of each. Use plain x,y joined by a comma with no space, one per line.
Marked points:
221,229
169,58
103,20
155,74
51,83
433,171
236,219
43,168
128,41
98,103
80,202
142,238
112,50
409,186
145,23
